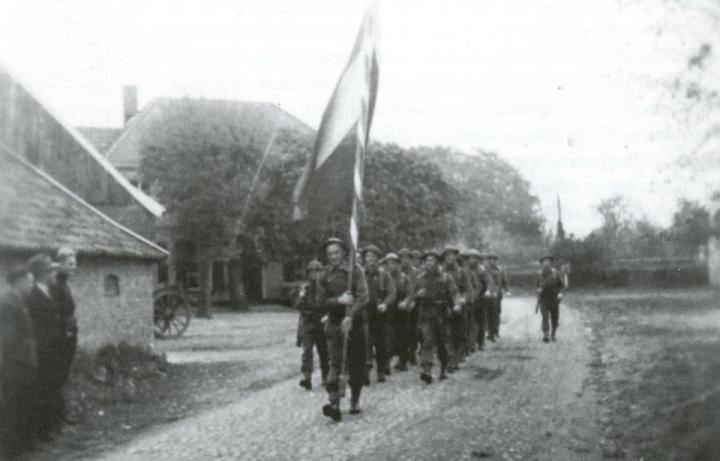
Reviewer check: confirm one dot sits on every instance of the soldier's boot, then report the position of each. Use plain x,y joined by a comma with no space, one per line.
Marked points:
332,411
401,365
443,372
545,338
306,382
426,377
552,336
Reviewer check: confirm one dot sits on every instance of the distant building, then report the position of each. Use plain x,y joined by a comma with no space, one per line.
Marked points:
116,267
252,124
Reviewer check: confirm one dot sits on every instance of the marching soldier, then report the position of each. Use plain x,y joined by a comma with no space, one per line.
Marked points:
462,280
550,286
471,326
404,340
436,296
408,267
18,367
500,285
312,330
416,260
482,295
345,299
381,296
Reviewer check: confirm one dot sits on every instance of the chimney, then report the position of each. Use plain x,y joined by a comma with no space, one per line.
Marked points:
130,103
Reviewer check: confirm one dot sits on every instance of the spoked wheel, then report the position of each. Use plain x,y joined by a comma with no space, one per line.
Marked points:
171,314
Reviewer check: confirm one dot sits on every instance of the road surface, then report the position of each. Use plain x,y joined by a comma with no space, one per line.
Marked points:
519,399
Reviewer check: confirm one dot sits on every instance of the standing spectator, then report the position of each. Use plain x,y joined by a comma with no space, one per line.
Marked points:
60,292
50,336
18,366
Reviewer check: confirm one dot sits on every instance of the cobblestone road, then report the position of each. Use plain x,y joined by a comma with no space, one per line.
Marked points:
519,399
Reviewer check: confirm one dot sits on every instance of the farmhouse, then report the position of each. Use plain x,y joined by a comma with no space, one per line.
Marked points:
116,267
233,268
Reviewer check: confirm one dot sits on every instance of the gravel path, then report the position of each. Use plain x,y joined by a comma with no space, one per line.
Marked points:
519,399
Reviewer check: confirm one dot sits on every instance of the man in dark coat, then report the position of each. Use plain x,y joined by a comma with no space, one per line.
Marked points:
313,330
60,292
18,367
409,268
345,299
550,286
50,335
464,284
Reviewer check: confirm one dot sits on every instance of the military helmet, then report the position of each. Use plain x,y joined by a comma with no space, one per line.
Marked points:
472,252
404,252
451,249
391,257
334,241
551,258
427,253
371,249
314,265
416,253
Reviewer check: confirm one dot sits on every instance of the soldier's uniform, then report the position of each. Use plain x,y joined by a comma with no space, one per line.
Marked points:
550,285
404,343
435,296
312,329
483,281
497,274
469,312
381,290
457,320
412,271
334,283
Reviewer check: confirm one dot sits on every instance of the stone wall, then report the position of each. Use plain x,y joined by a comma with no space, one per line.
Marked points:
106,317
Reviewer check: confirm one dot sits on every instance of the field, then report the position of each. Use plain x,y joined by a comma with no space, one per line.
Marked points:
656,371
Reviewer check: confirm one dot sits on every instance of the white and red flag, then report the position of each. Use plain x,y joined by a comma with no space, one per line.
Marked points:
331,184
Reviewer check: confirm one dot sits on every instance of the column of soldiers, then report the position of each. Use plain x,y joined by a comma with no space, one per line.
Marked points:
360,317
38,340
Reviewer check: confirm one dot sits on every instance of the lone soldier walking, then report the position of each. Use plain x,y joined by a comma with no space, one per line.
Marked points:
18,367
346,309
381,296
404,339
464,285
550,286
500,285
313,330
436,297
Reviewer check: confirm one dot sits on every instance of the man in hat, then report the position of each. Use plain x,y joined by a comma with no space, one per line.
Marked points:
313,330
550,286
344,297
50,334
381,297
416,259
451,265
60,292
409,268
436,296
404,340
18,367
500,285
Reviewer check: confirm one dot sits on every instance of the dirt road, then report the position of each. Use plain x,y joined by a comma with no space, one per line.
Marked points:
519,399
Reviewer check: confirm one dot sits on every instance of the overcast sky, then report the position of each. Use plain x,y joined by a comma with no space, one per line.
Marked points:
573,93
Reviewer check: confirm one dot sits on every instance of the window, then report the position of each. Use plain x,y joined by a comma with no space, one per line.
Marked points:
112,285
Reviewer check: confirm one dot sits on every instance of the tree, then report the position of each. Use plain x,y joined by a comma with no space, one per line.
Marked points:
691,227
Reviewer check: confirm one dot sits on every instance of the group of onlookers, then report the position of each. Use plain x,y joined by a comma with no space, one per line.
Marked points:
38,340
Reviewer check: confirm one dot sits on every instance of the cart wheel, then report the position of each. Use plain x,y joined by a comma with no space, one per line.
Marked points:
171,314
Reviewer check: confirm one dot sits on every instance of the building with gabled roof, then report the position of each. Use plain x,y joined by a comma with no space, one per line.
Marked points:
251,124
113,287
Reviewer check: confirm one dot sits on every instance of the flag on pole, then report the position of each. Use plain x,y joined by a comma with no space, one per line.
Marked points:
331,184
